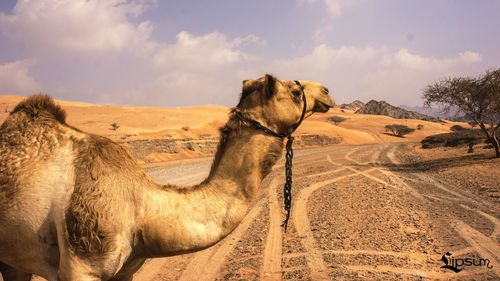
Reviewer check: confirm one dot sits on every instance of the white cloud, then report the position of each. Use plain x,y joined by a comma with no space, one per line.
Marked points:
77,26
15,78
470,56
249,39
320,33
95,50
204,52
374,72
406,59
333,7
324,59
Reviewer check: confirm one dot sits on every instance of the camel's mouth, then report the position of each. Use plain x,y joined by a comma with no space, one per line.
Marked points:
323,105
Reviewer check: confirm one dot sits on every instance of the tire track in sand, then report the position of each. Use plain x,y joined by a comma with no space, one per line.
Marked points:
271,264
314,258
484,245
399,184
492,219
373,159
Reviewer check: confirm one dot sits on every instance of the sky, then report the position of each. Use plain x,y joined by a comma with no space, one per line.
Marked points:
181,53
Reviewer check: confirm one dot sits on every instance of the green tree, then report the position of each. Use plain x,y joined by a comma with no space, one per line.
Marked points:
398,130
114,126
337,119
477,97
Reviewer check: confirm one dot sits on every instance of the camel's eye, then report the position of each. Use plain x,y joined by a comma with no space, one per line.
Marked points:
296,93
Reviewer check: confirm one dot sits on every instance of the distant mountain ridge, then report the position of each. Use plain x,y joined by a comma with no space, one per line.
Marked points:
438,113
355,105
384,108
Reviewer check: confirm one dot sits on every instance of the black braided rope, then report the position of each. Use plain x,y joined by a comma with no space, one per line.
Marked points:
287,189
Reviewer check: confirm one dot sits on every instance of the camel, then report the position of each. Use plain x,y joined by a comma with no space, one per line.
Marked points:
77,206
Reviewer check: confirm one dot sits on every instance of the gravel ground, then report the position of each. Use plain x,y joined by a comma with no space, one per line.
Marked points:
391,215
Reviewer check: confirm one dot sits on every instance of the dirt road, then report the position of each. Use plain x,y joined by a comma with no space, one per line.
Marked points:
358,214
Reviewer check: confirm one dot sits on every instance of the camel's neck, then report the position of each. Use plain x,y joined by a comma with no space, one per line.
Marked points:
177,221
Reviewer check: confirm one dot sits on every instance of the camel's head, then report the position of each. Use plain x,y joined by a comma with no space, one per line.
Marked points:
278,105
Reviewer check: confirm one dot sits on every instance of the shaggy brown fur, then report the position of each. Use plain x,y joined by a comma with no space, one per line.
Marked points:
88,218
41,105
41,115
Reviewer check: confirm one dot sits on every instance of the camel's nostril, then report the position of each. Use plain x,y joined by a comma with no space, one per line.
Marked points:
326,91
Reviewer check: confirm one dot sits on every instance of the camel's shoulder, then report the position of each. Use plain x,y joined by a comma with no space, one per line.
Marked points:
106,178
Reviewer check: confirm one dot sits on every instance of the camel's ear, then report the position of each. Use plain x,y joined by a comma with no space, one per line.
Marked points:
269,84
249,86
266,84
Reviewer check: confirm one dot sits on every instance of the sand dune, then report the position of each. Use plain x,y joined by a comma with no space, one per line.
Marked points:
364,129
136,122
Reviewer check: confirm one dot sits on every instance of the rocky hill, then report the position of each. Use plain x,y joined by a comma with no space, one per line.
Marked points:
452,115
383,108
355,105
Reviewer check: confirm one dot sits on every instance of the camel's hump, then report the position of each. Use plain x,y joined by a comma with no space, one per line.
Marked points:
41,104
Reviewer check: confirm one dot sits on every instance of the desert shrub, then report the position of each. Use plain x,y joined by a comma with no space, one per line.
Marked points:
420,127
456,128
114,126
398,130
453,139
336,119
185,128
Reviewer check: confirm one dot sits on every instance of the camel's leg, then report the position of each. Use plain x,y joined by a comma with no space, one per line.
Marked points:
74,268
123,278
128,270
78,269
71,266
11,274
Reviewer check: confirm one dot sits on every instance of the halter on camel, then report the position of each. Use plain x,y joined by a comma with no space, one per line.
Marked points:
287,189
